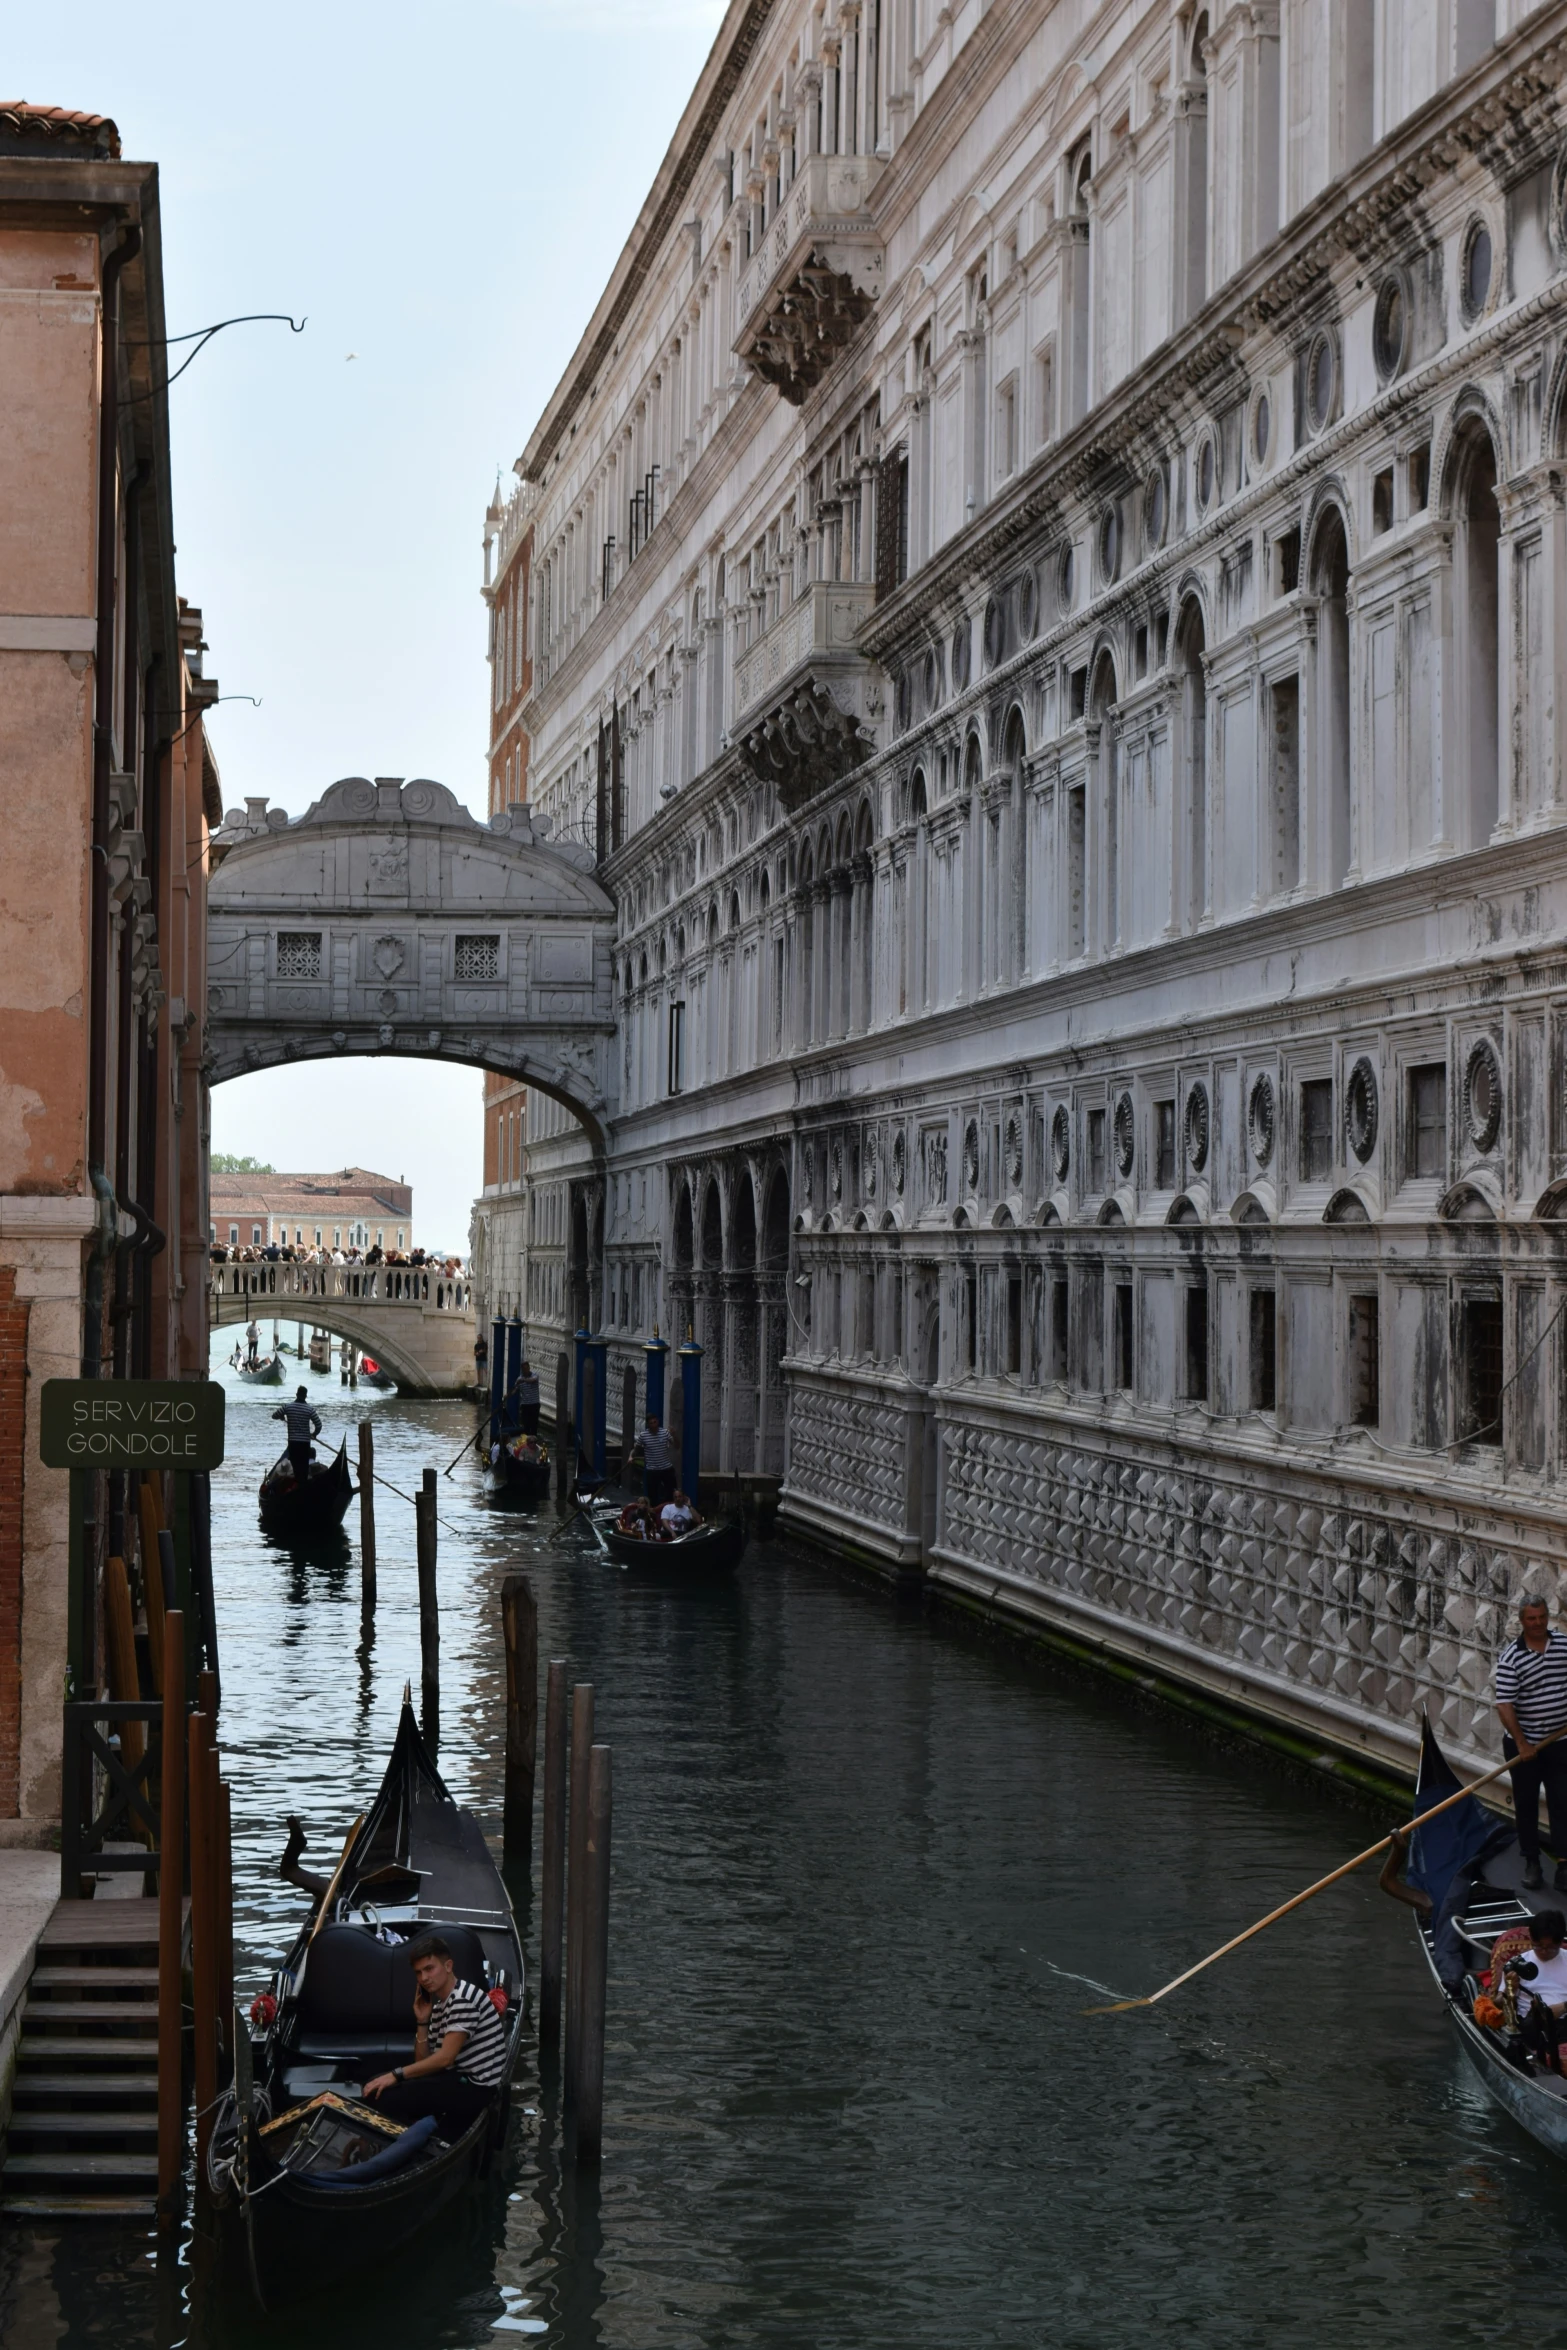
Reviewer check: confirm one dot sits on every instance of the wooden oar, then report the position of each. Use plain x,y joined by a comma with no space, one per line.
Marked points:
326,1898
1120,2006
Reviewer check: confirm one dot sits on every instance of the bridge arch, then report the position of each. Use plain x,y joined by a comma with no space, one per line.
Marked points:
387,922
426,1341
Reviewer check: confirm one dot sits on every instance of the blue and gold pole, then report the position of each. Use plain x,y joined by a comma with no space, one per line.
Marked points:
657,1353
690,1414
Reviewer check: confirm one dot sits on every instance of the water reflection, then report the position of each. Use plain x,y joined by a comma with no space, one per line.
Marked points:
867,1874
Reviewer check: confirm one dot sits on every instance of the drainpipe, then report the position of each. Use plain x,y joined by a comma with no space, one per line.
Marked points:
106,1230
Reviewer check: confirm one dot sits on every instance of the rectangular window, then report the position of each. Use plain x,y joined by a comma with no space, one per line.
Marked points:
233,1236
1420,480
1091,1328
299,954
1428,1121
1365,1363
1482,1369
971,1319
1264,1350
1164,1146
1316,1130
1058,1327
1045,396
1285,712
677,1047
1287,552
1123,1335
1015,1325
1076,877
1197,1345
1382,502
255,1235
1096,1152
478,957
1006,429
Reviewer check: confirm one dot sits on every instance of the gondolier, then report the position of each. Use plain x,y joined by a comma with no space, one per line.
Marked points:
459,2058
1531,1698
528,1400
658,1460
252,1341
303,1422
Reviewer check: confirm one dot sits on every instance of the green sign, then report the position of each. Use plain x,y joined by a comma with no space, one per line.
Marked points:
131,1424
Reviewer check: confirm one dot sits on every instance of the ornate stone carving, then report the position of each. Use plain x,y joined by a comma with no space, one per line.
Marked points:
1361,1110
1483,1095
1125,1133
1259,1119
1197,1128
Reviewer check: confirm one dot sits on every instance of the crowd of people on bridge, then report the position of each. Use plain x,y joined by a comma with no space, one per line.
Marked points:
278,1252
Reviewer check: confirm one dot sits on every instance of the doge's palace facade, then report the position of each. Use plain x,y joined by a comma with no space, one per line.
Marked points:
1045,590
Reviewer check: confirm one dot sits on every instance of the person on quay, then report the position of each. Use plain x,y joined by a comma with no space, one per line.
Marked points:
1542,1988
528,1399
1531,1698
459,2058
252,1344
658,1461
303,1422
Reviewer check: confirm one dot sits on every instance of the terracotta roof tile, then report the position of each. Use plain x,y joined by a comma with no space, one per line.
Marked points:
25,128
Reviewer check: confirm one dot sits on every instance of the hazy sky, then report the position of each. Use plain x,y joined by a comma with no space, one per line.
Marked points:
442,193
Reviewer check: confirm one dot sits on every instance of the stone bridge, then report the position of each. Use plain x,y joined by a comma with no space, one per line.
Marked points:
387,920
417,1323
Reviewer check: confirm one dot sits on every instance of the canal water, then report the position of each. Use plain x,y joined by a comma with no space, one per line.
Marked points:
868,1872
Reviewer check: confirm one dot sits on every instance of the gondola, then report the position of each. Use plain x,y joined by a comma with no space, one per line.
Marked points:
1469,1866
320,1504
311,2182
525,1478
706,1552
372,1375
261,1374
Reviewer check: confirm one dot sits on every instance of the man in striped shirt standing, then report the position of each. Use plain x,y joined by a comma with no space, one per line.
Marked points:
1531,1697
459,2054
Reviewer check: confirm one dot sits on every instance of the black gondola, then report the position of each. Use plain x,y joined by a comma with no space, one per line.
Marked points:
266,1373
525,1476
705,1551
312,2184
287,1507
371,1374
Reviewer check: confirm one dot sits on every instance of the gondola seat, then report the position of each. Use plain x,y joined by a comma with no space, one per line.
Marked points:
356,2000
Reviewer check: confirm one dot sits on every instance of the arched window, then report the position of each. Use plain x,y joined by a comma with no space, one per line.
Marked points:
1477,554
1330,584
1191,847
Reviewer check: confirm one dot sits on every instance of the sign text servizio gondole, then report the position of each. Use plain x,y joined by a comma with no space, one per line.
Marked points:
131,1424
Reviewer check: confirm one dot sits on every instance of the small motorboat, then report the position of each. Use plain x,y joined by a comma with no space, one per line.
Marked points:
521,1470
1468,1866
296,1510
372,1375
266,1371
312,2182
707,1551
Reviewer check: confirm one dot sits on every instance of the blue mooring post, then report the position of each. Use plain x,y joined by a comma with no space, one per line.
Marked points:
690,1416
497,1375
581,1339
657,1353
598,1348
512,1416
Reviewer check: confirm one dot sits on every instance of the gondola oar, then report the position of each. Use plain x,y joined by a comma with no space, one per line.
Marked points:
328,1895
1346,1868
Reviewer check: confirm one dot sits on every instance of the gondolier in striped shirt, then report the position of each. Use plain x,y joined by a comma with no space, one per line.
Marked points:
459,2057
1531,1697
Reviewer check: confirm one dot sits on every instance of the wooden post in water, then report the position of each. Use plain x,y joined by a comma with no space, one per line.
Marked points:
366,1517
204,1935
429,1612
562,1425
224,1825
520,1619
595,1958
628,1420
554,1859
576,1876
171,1918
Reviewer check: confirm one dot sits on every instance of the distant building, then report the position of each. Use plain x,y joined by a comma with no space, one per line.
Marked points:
353,1209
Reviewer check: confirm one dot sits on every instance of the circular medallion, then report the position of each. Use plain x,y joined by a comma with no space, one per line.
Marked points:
995,632
1155,510
1360,1110
872,1167
899,1161
1483,1095
835,1170
1197,1128
1014,1154
1259,1120
1125,1128
1028,607
962,654
1061,1142
971,1157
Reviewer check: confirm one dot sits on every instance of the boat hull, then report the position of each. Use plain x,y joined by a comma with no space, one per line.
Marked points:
1539,2110
522,1480
267,1374
315,1508
705,1556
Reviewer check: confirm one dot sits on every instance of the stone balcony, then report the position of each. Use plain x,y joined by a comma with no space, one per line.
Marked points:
805,697
813,279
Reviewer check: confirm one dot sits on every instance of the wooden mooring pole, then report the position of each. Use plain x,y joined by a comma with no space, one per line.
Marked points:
429,1612
553,1889
171,1919
563,1432
595,1958
204,1931
366,1517
520,1620
576,1877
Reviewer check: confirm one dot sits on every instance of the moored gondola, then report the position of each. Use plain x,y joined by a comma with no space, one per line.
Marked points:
707,1551
314,2183
296,1510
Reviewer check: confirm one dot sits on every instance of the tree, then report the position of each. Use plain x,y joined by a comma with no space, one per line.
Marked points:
226,1163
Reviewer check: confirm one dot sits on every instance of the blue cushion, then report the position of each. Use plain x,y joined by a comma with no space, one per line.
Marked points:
392,2157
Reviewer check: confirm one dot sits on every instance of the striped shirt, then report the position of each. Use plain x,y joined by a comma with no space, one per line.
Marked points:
1534,1683
482,2058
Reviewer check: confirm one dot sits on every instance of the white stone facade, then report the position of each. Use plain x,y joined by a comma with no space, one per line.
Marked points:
1047,596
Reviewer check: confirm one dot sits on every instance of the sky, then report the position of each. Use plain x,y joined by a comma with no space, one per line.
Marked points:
440,193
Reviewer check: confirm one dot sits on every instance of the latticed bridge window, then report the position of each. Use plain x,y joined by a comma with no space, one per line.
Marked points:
299,954
479,957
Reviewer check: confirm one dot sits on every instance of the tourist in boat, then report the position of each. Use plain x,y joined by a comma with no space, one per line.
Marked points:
658,1461
1531,1698
303,1422
678,1516
633,1521
459,2045
1542,1988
